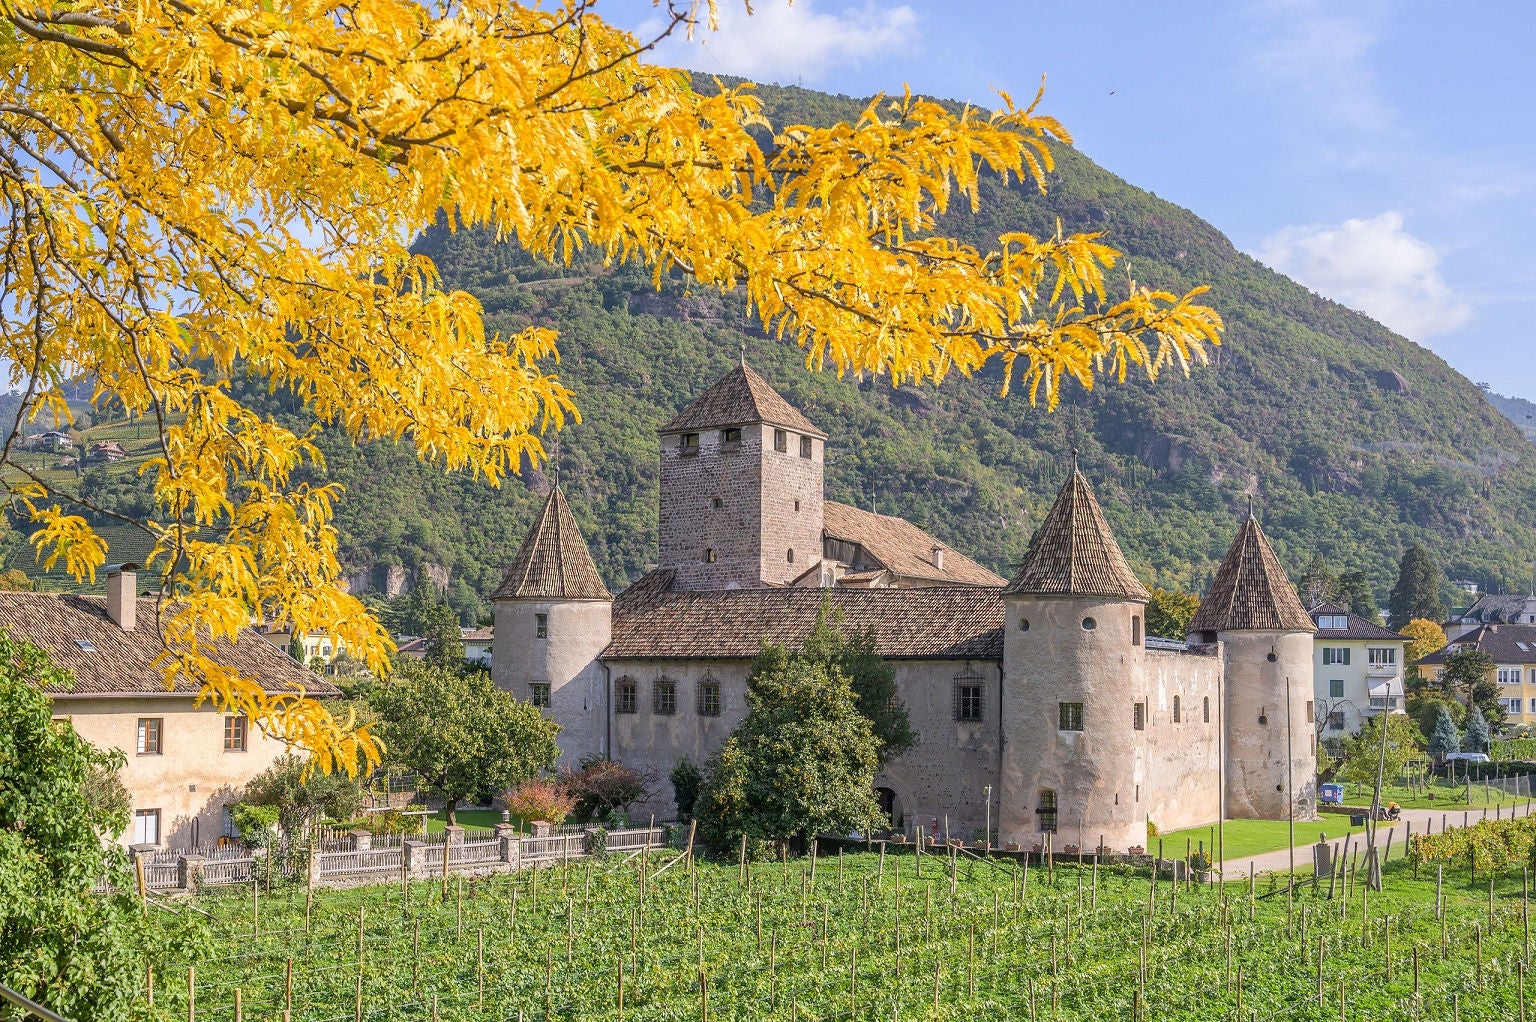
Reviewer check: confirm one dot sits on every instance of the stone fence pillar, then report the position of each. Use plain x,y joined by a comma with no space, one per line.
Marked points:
189,868
506,833
540,828
362,840
411,858
455,834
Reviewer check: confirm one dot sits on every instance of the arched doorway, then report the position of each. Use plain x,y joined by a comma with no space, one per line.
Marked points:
890,805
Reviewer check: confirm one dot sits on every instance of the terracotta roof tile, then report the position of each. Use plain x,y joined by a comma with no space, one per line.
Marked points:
1251,591
902,547
1074,553
738,398
1503,642
105,660
554,562
652,621
1359,627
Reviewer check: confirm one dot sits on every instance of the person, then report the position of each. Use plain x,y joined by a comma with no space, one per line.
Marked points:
1394,810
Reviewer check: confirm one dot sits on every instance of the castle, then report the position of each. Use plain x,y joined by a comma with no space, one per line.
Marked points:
1040,701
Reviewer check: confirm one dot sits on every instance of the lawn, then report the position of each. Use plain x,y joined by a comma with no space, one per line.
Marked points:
484,818
1246,838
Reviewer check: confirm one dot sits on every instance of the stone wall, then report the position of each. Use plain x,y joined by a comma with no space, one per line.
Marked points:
566,660
1258,771
792,516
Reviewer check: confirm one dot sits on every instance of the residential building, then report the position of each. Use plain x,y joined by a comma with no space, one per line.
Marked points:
1357,669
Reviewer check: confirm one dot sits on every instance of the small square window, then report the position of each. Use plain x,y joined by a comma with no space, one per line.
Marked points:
235,729
146,827
780,441
709,555
968,699
716,503
709,699
538,694
1139,716
730,437
688,443
1069,716
797,507
805,447
625,696
1335,688
541,626
665,697
150,730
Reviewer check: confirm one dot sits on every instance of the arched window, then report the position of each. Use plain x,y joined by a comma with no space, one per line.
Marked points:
789,555
1047,810
1176,717
1208,709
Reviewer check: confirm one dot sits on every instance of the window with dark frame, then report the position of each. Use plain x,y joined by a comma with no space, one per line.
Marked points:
151,732
709,698
664,699
626,696
1135,629
780,441
1205,710
1069,716
541,626
968,698
1336,720
730,437
1047,810
688,443
538,694
1335,688
709,555
717,503
1176,708
805,447
235,728
1139,716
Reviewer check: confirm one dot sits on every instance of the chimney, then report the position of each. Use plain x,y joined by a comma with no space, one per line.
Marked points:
938,557
122,594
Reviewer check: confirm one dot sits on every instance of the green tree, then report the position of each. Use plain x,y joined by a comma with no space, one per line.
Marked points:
1318,583
802,762
1444,739
873,678
686,780
1417,592
1468,673
302,795
1362,752
296,647
444,646
1478,736
1169,613
461,735
60,944
16,581
1355,594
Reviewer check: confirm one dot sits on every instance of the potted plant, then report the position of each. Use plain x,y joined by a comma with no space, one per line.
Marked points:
1136,850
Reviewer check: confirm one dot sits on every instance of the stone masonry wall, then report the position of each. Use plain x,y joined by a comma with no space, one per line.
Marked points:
566,660
792,517
690,524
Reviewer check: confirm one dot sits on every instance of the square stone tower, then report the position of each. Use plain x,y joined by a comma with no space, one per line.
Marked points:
741,488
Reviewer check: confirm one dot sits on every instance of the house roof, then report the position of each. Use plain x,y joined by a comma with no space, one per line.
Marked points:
1501,609
901,547
1251,591
738,398
653,621
1359,627
554,562
105,660
1074,553
1506,644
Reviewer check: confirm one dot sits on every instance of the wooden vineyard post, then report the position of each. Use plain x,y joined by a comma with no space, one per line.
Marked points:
620,987
191,993
741,869
1320,946
880,874
239,1006
826,923
1415,970
357,1000
138,870
480,967
549,983
1386,936
1252,904
255,908
1341,1000
149,984
446,848
1478,930
415,954
853,979
1439,889
1239,989
703,997
288,990
1520,980
773,967
970,961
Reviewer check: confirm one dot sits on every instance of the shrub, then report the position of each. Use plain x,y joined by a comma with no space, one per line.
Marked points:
1492,844
257,824
601,787
597,842
540,799
686,780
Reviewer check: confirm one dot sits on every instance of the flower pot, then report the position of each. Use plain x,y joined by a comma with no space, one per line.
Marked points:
1011,846
1136,850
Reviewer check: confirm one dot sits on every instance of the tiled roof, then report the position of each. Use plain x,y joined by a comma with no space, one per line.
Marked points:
653,621
740,397
1074,553
1501,609
485,633
1359,627
902,547
105,660
1507,644
554,562
1251,591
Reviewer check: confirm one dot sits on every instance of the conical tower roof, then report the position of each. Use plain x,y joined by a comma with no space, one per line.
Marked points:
1251,591
739,398
1074,553
554,562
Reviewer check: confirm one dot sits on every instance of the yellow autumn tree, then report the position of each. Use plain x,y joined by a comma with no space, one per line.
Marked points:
201,190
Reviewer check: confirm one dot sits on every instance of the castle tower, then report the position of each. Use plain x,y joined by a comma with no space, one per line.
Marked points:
554,618
1266,643
1073,664
741,488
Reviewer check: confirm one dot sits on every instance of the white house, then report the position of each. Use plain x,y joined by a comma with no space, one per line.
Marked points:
1357,670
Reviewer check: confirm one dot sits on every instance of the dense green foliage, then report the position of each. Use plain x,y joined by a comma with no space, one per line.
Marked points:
462,736
60,944
1468,675
1514,748
1492,845
1419,590
1477,737
1362,752
302,796
1444,738
1169,613
873,679
687,779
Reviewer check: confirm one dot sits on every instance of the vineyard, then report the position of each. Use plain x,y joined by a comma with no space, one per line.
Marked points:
863,936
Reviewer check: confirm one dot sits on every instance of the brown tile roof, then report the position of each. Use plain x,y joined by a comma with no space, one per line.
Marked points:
740,397
902,547
115,662
554,562
1251,591
1074,553
653,621
1507,644
1359,627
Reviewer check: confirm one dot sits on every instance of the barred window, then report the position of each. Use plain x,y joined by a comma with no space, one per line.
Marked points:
539,693
664,699
805,447
541,626
968,698
709,698
1069,716
1139,716
1047,809
780,441
626,697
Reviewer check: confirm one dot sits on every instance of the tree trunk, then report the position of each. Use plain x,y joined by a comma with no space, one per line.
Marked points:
451,811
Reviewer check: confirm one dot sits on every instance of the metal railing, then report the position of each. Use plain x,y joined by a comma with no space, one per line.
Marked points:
29,1006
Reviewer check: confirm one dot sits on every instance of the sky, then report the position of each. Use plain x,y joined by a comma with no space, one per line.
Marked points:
1381,153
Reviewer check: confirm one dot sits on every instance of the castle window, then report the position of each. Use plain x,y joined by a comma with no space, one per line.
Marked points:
625,695
1309,710
789,555
1176,704
1139,716
1047,810
538,694
797,507
780,441
1205,710
805,447
541,626
709,555
688,444
1336,688
1135,630
1023,624
1336,720
709,699
664,699
1069,716
1089,624
730,438
968,698
1333,655
716,503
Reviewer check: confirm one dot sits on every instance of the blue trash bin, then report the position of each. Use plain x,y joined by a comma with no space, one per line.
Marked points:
1331,794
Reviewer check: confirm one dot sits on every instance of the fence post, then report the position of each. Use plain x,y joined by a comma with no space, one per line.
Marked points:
411,856
506,833
362,840
188,869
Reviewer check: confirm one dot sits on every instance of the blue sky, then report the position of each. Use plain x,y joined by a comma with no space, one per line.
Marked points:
1382,153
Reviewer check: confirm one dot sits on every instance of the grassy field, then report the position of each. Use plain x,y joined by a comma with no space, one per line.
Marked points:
466,818
858,938
1244,838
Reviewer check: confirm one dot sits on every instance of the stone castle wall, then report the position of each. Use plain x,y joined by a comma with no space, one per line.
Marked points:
566,660
792,516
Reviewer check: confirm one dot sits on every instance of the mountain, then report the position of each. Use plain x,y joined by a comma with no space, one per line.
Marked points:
1352,440
1517,410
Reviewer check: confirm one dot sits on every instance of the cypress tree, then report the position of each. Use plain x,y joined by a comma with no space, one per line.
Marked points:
1444,739
1417,592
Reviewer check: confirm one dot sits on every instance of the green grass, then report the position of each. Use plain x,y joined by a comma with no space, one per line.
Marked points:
1242,839
466,818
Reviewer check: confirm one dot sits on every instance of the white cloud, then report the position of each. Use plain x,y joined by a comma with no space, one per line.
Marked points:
787,43
1373,265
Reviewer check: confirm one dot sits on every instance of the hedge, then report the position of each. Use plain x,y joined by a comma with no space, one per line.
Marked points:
1492,844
